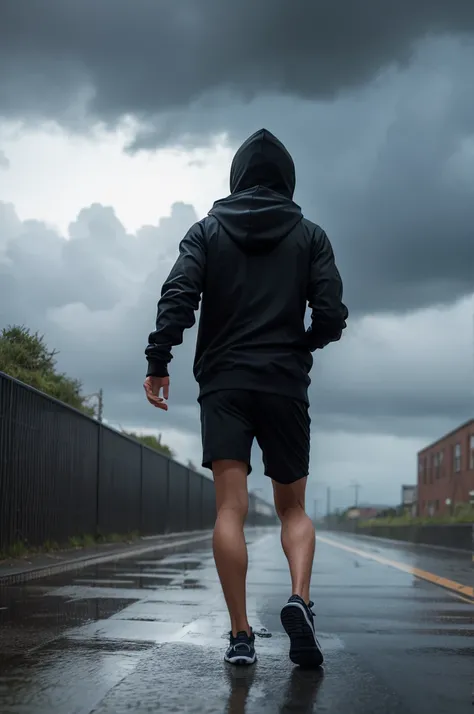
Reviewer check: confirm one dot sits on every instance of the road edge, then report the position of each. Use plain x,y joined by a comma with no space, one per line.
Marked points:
75,562
465,592
149,544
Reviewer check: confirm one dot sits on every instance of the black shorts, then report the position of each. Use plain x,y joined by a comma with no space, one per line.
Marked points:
232,418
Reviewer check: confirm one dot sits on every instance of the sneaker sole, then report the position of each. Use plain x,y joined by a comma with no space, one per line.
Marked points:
304,647
241,660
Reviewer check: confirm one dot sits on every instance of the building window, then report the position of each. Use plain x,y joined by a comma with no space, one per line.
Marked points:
422,467
441,462
437,464
432,467
457,458
471,451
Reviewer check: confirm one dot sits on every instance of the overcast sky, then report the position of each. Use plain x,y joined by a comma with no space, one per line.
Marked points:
118,122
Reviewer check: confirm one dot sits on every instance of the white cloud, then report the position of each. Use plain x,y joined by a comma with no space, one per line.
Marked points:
53,175
4,160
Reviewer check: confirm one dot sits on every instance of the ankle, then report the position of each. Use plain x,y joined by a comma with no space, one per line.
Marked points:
241,628
303,594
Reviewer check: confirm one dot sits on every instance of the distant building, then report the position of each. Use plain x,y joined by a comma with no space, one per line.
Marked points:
446,472
364,513
409,500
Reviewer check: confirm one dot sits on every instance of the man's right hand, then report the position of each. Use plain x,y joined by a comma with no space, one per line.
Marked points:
153,387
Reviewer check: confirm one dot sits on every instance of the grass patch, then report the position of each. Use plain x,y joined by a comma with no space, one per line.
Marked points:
17,550
22,549
464,515
50,545
119,537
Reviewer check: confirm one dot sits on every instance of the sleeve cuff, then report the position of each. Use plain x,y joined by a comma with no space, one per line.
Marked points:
157,369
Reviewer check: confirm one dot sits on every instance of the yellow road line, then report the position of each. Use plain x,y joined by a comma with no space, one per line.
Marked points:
452,585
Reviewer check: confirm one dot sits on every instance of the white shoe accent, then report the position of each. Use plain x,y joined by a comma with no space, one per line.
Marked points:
241,659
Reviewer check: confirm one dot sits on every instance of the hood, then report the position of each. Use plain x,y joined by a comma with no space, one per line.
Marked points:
262,160
260,212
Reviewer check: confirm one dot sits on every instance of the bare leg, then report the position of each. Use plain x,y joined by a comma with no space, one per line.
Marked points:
297,534
230,550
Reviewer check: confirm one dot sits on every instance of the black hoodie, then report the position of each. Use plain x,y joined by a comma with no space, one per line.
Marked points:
257,263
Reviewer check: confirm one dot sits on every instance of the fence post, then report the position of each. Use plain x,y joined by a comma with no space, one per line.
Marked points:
140,517
6,506
168,505
201,505
97,485
188,504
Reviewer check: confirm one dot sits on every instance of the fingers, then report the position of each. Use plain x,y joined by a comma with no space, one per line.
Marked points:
153,396
158,402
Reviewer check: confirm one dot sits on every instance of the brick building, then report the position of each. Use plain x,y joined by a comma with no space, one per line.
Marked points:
446,472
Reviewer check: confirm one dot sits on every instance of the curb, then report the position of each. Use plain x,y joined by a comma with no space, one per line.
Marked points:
168,541
45,571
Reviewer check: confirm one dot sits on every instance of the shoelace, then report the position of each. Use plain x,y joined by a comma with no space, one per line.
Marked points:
258,632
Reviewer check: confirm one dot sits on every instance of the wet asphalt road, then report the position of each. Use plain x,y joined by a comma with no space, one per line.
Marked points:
146,635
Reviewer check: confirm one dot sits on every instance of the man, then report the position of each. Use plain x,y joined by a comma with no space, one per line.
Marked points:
257,263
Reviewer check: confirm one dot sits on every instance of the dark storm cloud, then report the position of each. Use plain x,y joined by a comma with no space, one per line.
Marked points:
384,167
386,171
144,57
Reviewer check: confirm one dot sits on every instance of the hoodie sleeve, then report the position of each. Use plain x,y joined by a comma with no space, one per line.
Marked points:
180,297
329,314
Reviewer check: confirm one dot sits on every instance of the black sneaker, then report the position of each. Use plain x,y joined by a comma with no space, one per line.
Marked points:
241,649
298,620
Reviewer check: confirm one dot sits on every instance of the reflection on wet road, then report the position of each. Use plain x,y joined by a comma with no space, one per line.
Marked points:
146,635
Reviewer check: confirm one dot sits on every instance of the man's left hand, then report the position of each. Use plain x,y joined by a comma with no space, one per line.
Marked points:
154,388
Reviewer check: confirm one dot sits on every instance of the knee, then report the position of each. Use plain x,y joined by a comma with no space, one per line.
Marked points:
235,507
291,510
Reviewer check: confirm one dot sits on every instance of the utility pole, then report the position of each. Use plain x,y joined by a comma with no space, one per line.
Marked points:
100,403
356,487
100,406
315,509
328,502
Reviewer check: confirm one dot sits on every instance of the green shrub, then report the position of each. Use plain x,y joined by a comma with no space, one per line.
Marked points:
463,513
26,357
152,442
